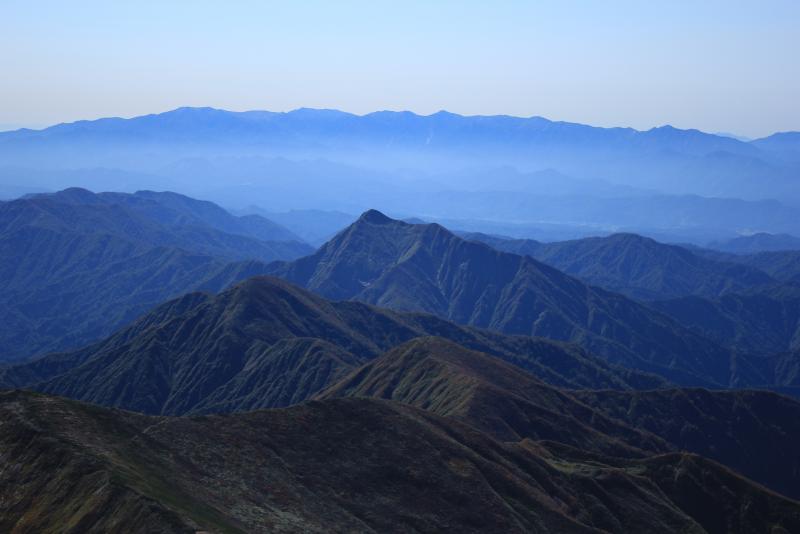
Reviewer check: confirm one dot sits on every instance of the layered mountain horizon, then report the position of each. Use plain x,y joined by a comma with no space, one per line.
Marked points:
529,175
318,305
406,261
782,139
605,384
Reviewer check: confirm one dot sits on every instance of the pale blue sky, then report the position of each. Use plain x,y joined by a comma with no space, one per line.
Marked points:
715,65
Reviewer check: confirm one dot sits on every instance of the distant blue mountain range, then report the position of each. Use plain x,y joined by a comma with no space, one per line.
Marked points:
462,167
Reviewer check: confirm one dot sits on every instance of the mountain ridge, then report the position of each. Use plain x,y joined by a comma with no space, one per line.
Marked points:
393,264
437,142
75,265
325,465
754,432
329,113
639,267
202,351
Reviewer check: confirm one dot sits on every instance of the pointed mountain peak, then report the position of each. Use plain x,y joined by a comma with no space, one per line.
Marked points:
375,217
443,113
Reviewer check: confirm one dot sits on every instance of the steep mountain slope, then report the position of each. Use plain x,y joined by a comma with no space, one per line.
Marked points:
786,368
784,266
491,395
699,487
636,266
353,465
716,295
426,268
57,483
266,343
72,309
765,321
75,266
756,433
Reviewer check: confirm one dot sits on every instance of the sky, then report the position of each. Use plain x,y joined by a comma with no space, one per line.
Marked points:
719,66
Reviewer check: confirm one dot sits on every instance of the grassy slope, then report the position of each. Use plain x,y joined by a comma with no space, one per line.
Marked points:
353,465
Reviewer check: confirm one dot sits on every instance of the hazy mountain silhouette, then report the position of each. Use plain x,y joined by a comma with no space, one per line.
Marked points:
684,184
664,159
760,242
783,144
313,226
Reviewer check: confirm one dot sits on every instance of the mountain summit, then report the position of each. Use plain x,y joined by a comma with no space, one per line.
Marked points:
424,267
374,217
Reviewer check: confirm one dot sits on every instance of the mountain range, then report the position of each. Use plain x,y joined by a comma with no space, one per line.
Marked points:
399,378
424,267
148,467
637,266
615,456
266,343
552,180
408,267
439,141
75,266
723,297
